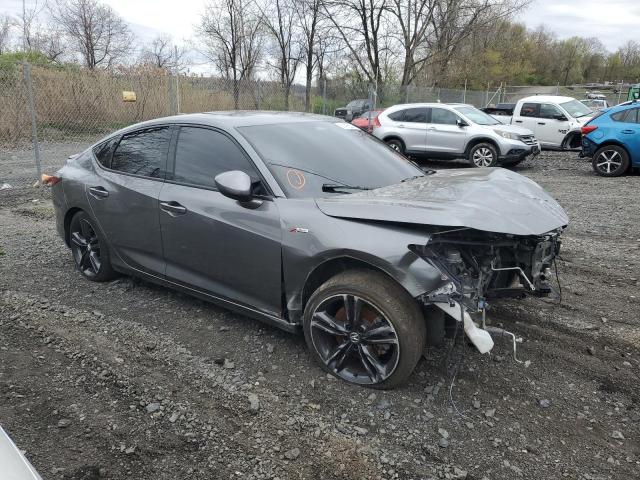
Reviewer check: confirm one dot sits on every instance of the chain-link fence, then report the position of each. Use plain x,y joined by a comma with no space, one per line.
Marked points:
77,106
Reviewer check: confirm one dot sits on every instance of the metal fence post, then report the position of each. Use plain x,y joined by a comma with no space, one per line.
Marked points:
177,72
26,69
258,95
324,96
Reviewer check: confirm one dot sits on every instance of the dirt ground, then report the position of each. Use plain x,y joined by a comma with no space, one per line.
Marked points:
127,380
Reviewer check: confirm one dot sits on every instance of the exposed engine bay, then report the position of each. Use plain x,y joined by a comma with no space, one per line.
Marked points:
477,267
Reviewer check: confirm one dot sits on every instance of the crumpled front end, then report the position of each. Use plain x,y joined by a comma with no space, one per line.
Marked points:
477,267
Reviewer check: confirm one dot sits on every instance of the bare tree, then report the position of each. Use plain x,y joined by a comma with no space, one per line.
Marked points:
281,26
6,22
310,17
415,18
161,53
360,24
100,36
231,32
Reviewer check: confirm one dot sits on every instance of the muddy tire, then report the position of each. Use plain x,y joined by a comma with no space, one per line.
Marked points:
362,327
89,249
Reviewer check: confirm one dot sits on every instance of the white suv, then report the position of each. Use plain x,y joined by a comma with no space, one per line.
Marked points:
449,131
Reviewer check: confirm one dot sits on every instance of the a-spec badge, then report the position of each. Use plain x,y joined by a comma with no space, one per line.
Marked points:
299,230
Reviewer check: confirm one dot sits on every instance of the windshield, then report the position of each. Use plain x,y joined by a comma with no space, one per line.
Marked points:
309,159
576,109
477,116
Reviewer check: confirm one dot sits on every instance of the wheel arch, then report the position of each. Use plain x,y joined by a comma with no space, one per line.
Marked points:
570,137
477,140
67,223
616,143
394,137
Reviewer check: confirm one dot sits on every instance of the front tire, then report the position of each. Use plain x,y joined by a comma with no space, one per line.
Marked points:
364,328
610,161
483,155
89,249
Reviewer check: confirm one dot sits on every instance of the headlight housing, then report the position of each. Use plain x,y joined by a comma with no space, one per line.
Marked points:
508,135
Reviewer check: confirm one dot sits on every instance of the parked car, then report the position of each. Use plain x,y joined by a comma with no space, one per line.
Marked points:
595,104
366,120
450,131
13,464
350,241
501,109
353,109
554,120
612,140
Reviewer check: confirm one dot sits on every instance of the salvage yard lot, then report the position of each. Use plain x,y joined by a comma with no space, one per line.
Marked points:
129,380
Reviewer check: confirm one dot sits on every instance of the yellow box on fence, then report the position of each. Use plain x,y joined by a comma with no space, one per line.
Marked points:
128,96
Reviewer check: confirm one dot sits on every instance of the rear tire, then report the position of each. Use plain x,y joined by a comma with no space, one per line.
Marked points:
89,249
483,155
610,161
362,327
396,145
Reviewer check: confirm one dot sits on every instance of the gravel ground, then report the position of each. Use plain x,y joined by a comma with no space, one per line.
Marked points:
129,380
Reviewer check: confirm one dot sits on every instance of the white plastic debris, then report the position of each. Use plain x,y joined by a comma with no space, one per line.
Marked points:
5,186
481,339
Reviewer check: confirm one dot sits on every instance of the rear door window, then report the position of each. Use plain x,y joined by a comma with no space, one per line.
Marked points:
202,153
530,110
143,152
397,116
104,150
415,115
627,116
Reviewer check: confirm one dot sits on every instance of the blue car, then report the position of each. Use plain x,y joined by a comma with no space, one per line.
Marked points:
612,139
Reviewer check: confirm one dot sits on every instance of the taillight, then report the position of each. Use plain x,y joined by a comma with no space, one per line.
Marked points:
376,122
588,129
50,179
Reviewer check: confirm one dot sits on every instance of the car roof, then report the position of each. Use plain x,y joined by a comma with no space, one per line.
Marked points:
239,118
547,98
429,104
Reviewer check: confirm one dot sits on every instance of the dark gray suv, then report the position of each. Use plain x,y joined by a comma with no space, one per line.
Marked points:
304,222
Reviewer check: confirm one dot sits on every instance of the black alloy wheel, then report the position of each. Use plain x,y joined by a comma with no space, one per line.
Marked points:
90,254
354,339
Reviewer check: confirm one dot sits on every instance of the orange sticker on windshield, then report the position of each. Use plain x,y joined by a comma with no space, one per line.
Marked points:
296,179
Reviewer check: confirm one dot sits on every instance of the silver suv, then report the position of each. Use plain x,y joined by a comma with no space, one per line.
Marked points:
450,131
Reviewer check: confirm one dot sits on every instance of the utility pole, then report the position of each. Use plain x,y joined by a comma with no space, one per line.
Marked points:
177,74
24,27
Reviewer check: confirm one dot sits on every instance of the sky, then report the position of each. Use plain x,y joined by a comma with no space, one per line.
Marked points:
614,22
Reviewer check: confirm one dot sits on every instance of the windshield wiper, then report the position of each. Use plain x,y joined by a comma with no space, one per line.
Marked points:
332,187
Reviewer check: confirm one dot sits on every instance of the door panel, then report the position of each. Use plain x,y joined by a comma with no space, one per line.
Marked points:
128,216
220,247
413,129
125,204
443,134
212,242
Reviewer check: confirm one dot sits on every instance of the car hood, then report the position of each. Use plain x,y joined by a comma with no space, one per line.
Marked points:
489,199
511,129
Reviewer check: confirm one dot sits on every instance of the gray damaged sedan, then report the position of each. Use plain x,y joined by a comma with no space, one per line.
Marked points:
303,222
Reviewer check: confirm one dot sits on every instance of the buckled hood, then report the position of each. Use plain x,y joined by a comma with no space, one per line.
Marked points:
488,199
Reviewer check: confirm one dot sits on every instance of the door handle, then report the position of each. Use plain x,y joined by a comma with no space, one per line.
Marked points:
98,192
431,128
628,131
518,121
173,208
541,123
400,126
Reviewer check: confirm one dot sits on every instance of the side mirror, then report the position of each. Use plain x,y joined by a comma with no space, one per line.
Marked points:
560,117
234,184
461,123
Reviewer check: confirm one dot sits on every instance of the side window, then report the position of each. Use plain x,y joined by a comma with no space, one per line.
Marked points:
548,110
530,110
627,116
103,152
415,115
443,117
201,154
143,152
397,116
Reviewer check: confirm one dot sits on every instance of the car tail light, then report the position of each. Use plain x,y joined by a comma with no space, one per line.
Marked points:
376,123
50,179
588,129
